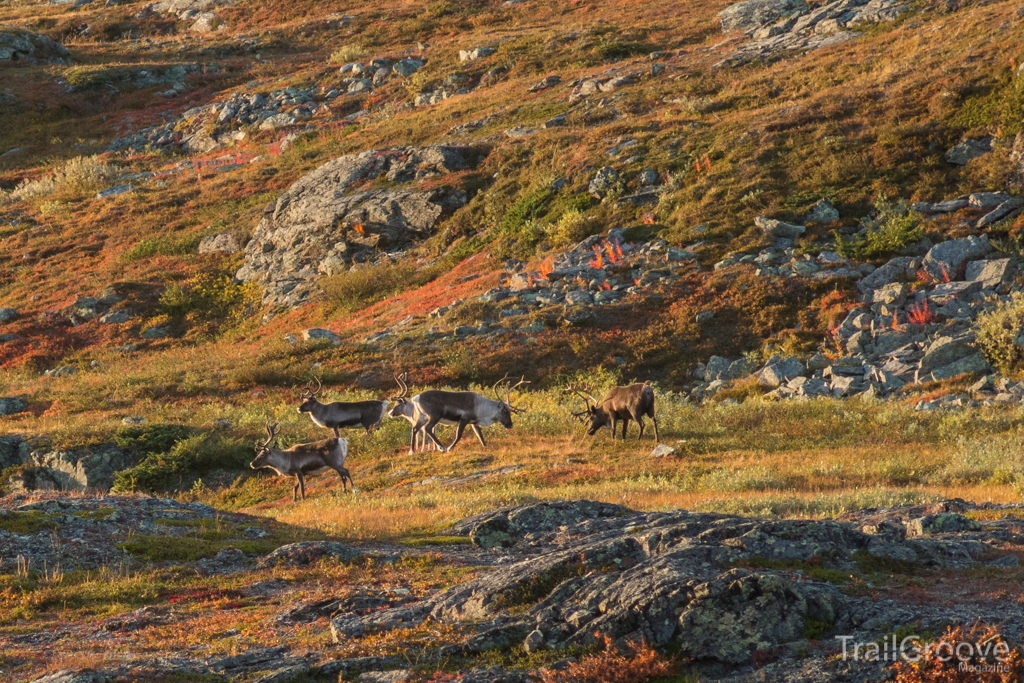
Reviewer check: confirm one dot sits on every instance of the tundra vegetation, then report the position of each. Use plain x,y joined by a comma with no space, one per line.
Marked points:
584,193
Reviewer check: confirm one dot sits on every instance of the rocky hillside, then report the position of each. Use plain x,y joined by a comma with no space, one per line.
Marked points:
801,221
739,598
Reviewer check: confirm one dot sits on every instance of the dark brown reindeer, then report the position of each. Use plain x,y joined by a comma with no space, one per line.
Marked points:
620,403
365,414
302,459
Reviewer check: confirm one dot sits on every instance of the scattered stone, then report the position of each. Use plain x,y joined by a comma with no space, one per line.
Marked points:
604,181
309,552
20,47
772,228
662,451
752,14
12,405
823,213
224,243
967,150
476,53
315,333
7,315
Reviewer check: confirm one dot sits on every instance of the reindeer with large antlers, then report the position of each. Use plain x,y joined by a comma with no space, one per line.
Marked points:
408,409
463,408
365,414
621,403
302,459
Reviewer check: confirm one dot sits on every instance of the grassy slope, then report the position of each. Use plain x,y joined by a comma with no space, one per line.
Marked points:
853,122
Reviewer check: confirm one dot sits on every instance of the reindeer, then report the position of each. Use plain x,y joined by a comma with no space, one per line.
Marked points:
302,459
366,414
464,408
408,409
621,403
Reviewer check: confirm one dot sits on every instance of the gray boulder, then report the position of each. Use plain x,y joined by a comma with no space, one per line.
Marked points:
963,152
946,350
990,273
752,14
776,229
945,260
222,243
320,226
717,368
972,364
11,405
604,181
822,212
780,372
92,468
18,46
896,269
7,315
309,552
407,67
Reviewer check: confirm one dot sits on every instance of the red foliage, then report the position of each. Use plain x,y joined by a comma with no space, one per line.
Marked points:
920,314
973,667
640,663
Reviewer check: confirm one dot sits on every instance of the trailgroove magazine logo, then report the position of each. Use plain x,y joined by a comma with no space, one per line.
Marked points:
987,654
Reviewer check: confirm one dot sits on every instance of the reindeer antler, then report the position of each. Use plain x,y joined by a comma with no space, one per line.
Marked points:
402,384
508,394
587,398
272,430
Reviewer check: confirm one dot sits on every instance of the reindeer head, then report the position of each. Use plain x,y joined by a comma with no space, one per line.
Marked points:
506,410
590,416
263,450
402,407
309,395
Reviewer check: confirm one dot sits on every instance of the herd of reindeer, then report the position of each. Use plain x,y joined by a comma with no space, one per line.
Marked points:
424,412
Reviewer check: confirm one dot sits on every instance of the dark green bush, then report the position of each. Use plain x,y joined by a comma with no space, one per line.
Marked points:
188,457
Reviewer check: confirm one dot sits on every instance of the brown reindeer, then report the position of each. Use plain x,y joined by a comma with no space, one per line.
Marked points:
302,459
621,403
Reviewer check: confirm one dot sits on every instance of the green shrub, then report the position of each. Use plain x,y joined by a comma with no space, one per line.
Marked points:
208,298
356,289
162,246
189,457
894,227
155,438
998,332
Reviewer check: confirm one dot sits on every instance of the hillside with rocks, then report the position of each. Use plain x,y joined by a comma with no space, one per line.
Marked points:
802,222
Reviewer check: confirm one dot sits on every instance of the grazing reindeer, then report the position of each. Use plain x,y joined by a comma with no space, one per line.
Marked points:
408,409
621,403
365,414
302,459
464,408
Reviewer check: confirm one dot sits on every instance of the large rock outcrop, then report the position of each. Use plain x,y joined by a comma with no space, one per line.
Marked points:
721,588
25,47
322,224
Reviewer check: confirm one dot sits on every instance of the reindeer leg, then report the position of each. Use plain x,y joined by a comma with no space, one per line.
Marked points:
337,434
458,434
615,425
343,473
655,421
302,485
640,421
429,431
625,426
479,435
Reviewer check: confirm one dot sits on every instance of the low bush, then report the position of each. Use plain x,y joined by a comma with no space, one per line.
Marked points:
189,457
346,54
998,332
162,246
638,664
155,438
209,298
356,289
75,176
894,227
